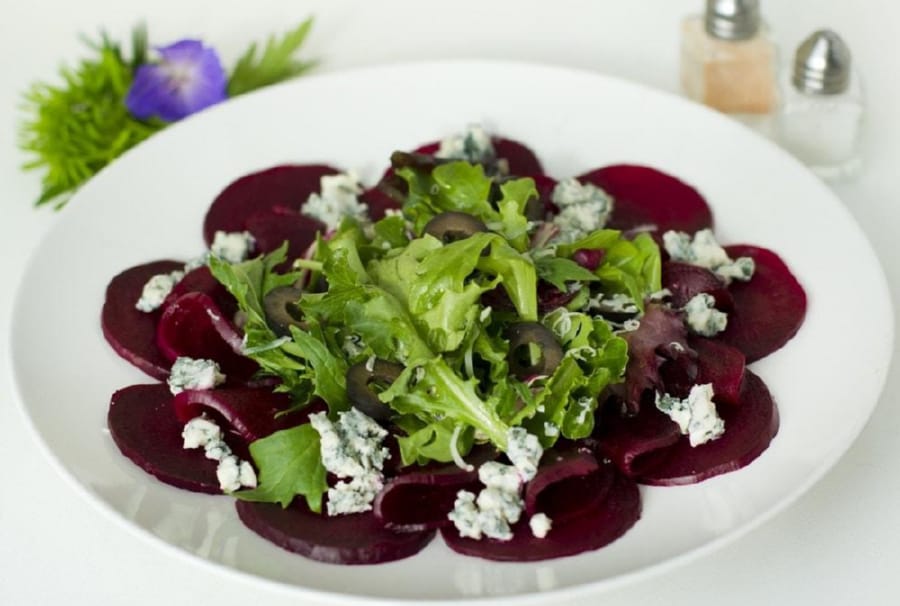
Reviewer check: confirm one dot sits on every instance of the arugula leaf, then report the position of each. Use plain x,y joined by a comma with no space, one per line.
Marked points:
558,270
431,442
276,64
289,463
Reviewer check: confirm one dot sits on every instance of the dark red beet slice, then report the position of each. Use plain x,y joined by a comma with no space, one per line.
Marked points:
250,413
749,428
144,427
721,365
378,203
519,157
632,441
271,228
348,539
193,326
422,498
566,483
131,332
645,196
768,309
202,280
288,186
596,526
685,281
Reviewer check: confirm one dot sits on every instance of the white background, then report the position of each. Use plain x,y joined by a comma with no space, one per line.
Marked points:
839,544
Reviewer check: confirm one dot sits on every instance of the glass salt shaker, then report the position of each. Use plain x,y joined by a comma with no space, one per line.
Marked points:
821,116
728,61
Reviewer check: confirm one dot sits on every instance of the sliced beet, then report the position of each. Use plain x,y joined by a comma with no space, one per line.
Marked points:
566,483
685,281
358,538
768,309
631,442
594,527
273,227
250,413
131,332
288,186
421,498
646,197
749,428
193,326
721,365
520,159
202,280
378,202
144,427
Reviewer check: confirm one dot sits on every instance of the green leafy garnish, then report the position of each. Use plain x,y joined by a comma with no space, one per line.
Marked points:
290,464
276,63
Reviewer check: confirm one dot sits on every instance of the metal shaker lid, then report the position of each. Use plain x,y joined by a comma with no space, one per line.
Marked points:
822,64
732,19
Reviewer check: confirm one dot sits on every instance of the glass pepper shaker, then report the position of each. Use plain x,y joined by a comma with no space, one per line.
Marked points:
728,61
821,116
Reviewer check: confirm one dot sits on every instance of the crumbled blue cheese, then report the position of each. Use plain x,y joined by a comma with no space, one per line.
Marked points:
524,451
473,145
497,506
351,449
233,247
500,476
540,525
196,262
190,373
583,208
157,289
696,415
703,250
232,473
337,199
702,317
550,430
613,303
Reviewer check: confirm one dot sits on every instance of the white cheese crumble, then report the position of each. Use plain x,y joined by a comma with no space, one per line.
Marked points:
703,250
494,509
612,303
473,145
190,373
232,472
524,451
696,415
540,525
233,247
702,317
351,449
337,198
583,208
157,289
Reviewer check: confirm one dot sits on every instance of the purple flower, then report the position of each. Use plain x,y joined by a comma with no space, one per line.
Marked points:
188,78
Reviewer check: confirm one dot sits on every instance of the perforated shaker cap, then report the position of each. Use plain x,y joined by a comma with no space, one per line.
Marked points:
822,64
732,19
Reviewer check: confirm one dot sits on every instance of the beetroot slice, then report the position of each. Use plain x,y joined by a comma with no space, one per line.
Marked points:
131,332
144,427
249,413
193,326
378,202
658,330
685,281
749,428
288,186
596,526
422,498
347,539
202,280
566,483
273,227
768,309
632,441
721,365
645,196
520,159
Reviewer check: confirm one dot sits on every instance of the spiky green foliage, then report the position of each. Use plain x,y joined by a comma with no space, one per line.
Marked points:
275,64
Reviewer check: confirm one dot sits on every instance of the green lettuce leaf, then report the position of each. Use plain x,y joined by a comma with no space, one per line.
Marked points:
289,463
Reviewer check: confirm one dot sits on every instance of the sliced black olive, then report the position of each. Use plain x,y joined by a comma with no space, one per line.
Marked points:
282,310
360,380
452,226
533,350
416,161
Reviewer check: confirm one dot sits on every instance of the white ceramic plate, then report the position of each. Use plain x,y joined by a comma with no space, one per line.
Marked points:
150,205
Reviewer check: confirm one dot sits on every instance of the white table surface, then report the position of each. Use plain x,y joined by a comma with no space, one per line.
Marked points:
839,544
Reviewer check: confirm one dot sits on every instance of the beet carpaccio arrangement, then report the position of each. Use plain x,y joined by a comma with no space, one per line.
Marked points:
471,347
